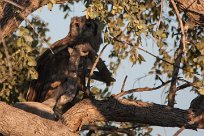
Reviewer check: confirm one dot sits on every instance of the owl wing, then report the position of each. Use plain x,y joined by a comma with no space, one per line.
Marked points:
52,70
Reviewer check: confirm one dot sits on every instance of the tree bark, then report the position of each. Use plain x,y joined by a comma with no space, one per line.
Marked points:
12,16
14,121
194,9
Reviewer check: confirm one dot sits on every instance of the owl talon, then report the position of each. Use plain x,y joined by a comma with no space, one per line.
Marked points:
57,113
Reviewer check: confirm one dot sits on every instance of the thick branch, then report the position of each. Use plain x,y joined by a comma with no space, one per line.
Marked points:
123,110
20,123
11,15
17,122
194,9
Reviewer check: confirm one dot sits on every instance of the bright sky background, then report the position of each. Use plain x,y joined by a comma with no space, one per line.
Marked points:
59,28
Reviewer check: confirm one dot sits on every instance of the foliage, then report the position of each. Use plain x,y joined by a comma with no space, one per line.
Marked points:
23,48
128,26
130,22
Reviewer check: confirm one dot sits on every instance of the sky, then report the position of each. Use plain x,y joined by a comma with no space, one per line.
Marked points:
59,28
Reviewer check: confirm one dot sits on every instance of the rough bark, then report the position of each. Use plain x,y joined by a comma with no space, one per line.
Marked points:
173,87
194,9
11,16
123,110
17,122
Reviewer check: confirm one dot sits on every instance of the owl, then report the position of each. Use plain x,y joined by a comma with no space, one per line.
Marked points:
62,72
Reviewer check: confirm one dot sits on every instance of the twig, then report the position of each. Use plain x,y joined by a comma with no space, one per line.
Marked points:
122,88
159,58
140,90
160,79
140,78
7,57
14,4
94,66
173,64
160,16
180,24
179,131
23,8
185,86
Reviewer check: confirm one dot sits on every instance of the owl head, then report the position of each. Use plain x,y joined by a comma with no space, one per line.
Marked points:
86,30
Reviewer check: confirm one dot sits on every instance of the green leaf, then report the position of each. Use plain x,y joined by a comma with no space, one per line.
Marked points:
28,38
95,90
141,58
33,73
31,61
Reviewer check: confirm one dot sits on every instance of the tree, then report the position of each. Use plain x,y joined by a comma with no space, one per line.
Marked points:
126,24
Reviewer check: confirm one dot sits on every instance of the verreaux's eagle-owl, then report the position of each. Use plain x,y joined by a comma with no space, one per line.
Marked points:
53,69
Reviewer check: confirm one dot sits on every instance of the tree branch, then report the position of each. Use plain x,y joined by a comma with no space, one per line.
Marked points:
185,86
20,123
181,50
93,67
128,111
88,111
123,85
122,93
173,88
183,36
11,16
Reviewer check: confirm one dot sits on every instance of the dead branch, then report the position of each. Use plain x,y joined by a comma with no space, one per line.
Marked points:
185,86
123,86
122,93
179,131
94,66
